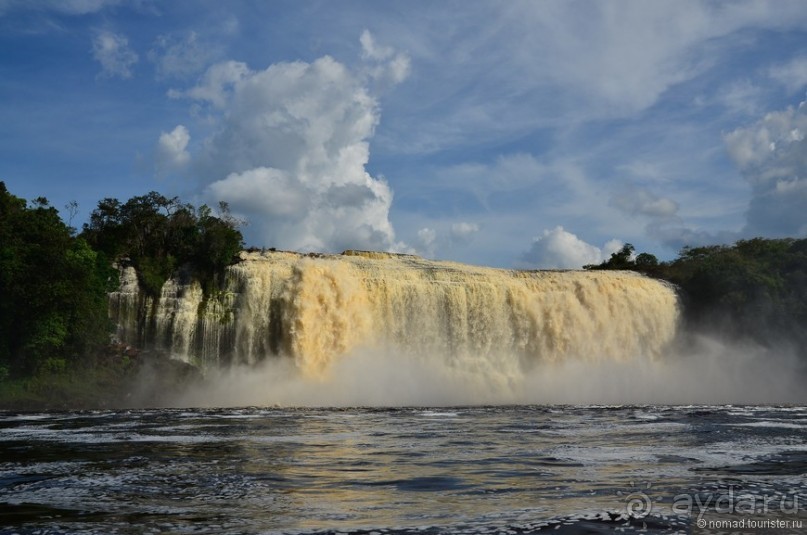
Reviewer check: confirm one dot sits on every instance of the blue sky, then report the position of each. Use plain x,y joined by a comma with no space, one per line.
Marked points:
535,134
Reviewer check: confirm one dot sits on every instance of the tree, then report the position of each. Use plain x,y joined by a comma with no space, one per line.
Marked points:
159,234
621,259
105,230
72,210
646,260
53,308
218,242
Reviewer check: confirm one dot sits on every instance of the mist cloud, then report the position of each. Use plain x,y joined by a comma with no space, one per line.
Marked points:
706,371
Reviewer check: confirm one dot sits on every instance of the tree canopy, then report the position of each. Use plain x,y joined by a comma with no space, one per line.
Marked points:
53,287
158,235
54,284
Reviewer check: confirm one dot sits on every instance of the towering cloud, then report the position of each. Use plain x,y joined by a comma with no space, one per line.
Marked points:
290,148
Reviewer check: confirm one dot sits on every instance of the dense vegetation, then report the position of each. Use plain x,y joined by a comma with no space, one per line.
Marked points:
54,283
53,286
754,289
159,235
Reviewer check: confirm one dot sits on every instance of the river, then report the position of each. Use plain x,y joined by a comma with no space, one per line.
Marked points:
512,469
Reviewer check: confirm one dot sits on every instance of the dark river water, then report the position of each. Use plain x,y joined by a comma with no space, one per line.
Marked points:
525,469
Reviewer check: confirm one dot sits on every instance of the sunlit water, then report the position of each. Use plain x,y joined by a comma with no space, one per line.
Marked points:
406,470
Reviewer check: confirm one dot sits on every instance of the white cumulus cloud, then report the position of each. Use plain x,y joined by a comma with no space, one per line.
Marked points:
172,150
290,150
560,249
216,85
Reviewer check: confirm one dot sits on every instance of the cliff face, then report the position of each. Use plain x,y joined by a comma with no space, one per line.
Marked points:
314,309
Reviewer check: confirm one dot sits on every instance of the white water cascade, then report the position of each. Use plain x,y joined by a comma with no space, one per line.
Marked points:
315,309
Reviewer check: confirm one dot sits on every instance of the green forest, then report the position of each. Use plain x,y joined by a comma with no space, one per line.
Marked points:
54,280
55,333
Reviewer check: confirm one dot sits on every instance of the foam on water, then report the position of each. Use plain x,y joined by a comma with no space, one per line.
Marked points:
394,471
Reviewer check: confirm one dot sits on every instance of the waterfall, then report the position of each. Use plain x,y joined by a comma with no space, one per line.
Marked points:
315,309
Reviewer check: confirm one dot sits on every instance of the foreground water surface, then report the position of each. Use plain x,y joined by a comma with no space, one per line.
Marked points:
519,469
